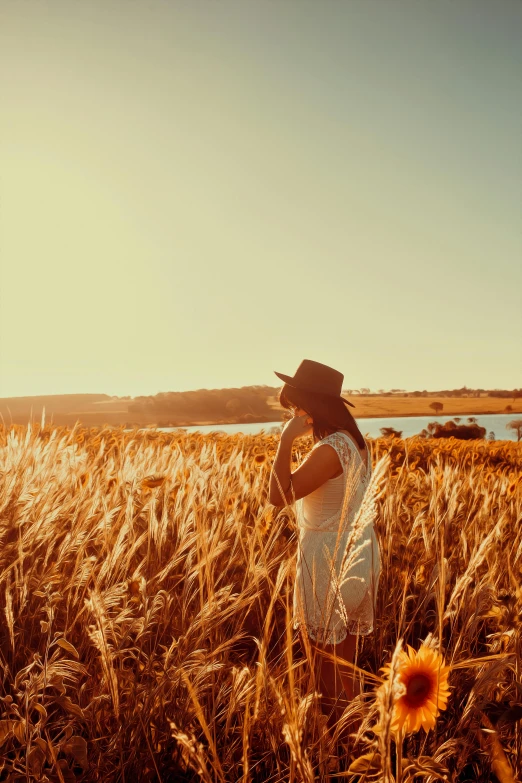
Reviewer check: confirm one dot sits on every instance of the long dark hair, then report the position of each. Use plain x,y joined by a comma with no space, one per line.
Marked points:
329,414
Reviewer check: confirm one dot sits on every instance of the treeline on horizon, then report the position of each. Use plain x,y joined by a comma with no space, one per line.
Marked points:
259,403
362,392
256,403
243,404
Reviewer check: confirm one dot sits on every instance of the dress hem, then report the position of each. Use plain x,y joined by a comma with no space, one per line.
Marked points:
333,636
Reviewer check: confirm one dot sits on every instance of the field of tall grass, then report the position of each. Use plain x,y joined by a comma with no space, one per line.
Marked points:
146,631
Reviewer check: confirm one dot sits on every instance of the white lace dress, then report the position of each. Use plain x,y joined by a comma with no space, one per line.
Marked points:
328,602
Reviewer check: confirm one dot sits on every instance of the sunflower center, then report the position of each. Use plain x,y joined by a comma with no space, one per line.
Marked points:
417,689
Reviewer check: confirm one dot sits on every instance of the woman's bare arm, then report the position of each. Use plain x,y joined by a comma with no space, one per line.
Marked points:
322,464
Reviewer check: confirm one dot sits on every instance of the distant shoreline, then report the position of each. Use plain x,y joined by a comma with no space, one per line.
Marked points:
369,416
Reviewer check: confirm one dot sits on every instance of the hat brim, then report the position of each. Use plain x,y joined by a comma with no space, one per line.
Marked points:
286,378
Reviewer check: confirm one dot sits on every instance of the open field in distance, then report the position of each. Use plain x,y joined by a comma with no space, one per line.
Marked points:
100,409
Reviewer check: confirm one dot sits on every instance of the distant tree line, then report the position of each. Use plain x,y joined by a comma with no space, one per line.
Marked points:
463,392
246,403
260,403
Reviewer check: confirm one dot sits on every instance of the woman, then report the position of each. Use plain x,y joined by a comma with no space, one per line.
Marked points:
334,593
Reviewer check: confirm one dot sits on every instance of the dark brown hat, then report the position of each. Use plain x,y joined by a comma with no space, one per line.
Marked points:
318,378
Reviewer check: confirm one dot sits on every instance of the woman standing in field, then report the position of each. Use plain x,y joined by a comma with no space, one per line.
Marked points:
333,603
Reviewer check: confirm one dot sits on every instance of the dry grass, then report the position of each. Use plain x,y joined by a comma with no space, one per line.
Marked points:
146,586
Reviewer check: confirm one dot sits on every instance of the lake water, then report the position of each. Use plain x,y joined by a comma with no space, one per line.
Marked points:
408,425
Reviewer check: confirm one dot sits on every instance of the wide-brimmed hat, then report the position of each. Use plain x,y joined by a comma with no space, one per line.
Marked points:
318,378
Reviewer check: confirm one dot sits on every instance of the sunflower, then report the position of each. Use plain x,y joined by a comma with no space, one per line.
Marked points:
425,678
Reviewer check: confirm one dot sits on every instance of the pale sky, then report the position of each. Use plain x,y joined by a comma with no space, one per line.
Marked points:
196,193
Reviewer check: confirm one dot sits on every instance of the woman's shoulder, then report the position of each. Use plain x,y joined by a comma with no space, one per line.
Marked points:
343,443
339,436
338,440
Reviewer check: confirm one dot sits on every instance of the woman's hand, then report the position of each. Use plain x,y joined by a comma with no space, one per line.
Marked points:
298,426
